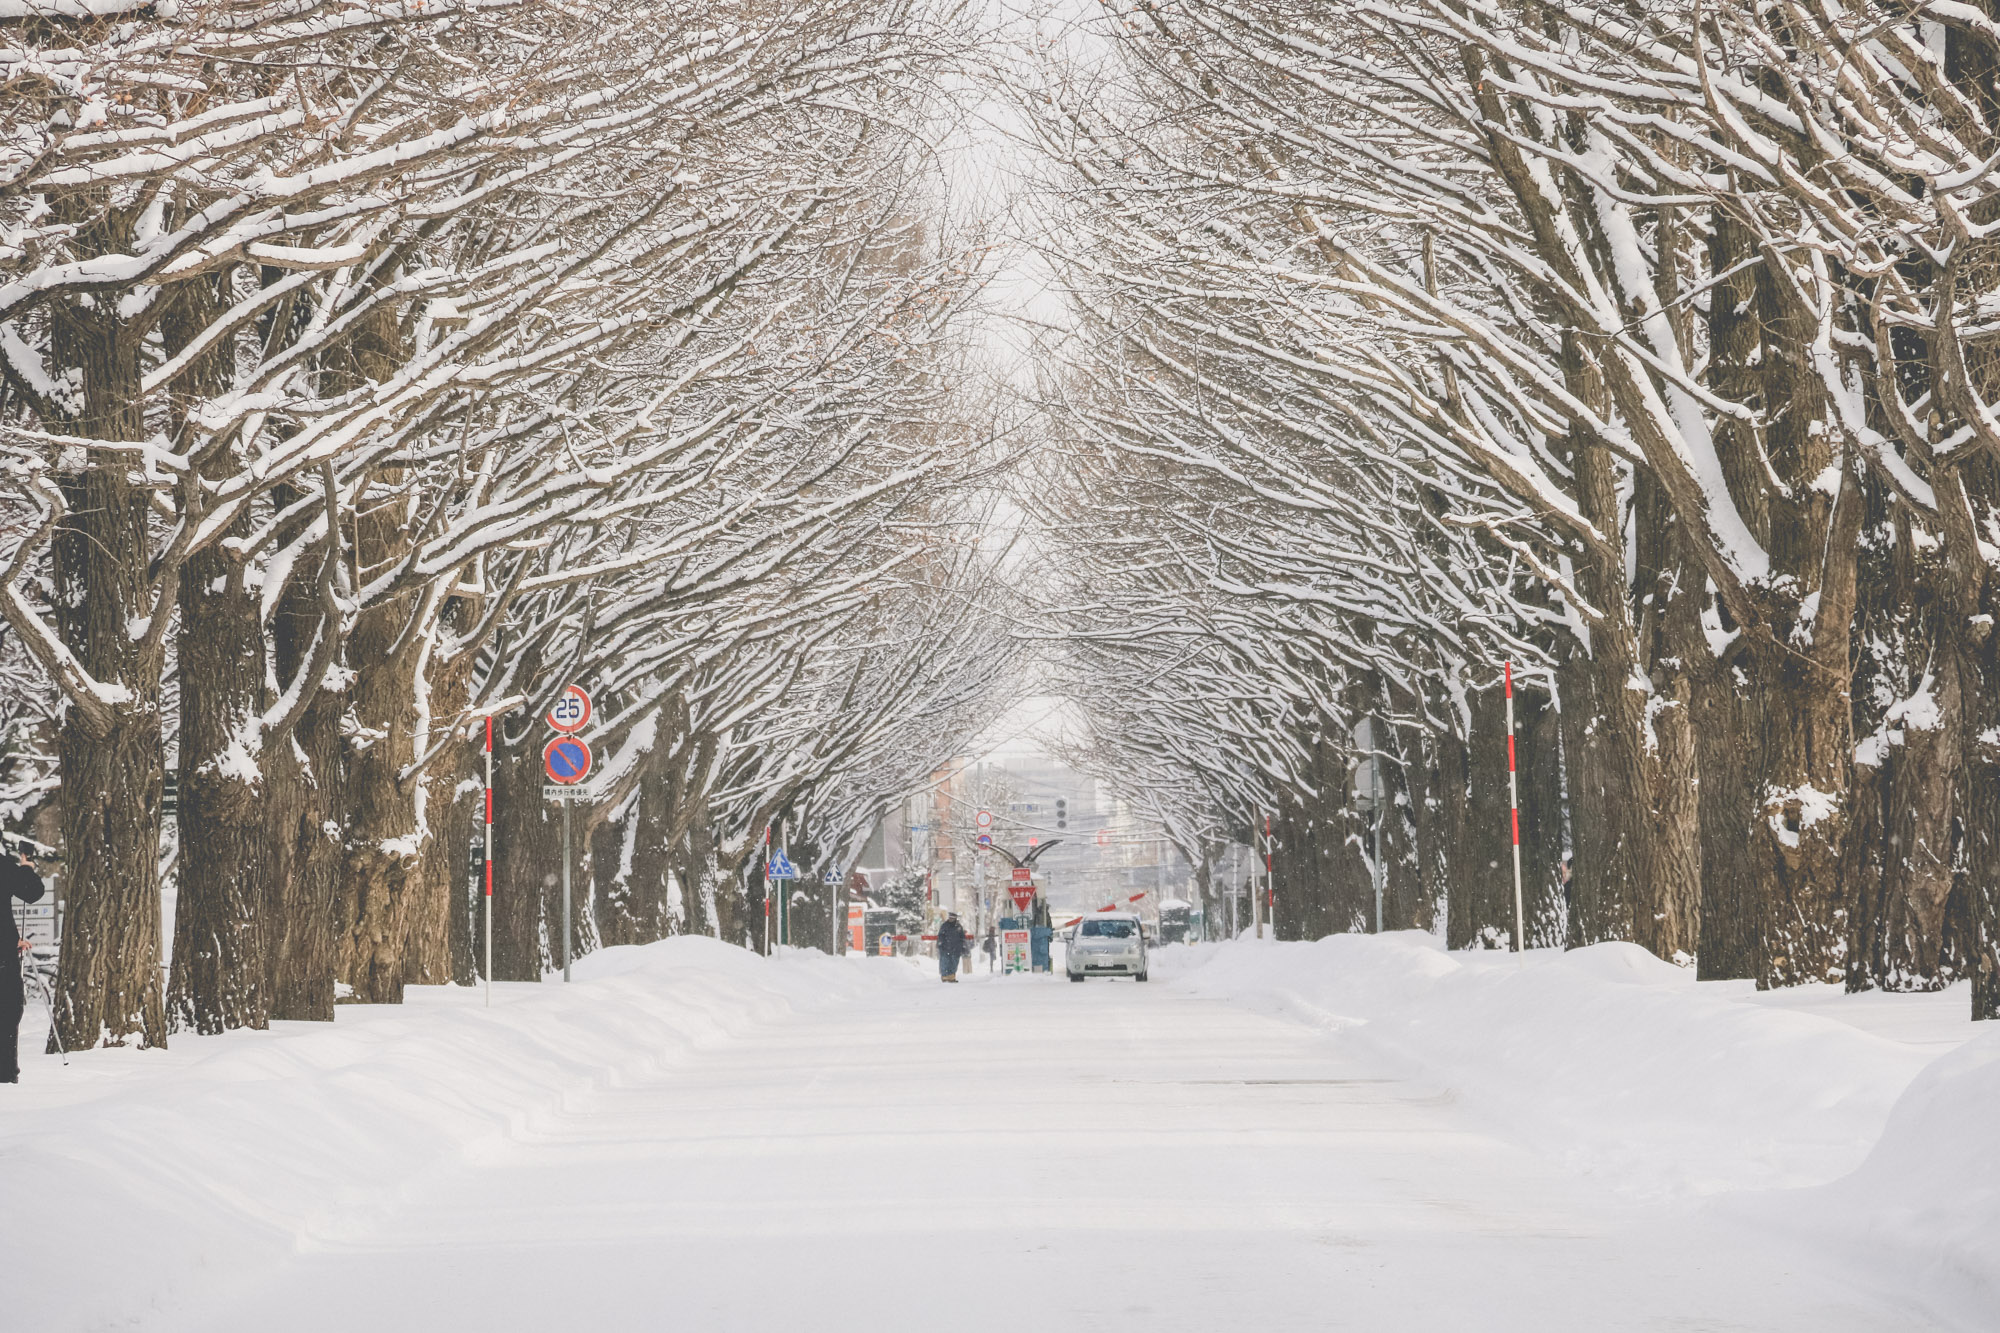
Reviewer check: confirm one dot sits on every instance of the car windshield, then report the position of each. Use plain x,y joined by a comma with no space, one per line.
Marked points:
1110,930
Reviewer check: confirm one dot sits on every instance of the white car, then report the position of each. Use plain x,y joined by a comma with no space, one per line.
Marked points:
1108,944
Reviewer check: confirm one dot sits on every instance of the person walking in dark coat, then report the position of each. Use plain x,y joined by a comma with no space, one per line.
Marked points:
951,943
991,946
17,880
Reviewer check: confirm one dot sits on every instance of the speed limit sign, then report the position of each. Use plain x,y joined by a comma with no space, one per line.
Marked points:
984,819
571,710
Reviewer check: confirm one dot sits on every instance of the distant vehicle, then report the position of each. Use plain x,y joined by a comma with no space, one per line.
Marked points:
1107,944
1176,921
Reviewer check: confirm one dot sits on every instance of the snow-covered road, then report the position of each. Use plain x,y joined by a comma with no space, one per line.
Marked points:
1021,1153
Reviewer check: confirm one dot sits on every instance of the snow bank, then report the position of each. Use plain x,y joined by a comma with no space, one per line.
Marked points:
1624,1068
1616,1063
1926,1203
193,1170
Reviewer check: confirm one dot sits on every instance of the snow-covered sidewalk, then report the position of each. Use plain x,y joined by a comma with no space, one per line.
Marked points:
1356,1133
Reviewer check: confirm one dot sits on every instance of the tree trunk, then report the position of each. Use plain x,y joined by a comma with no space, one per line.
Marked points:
528,848
305,782
1432,797
386,836
108,981
221,969
1800,664
645,905
1479,907
1724,714
220,978
1539,758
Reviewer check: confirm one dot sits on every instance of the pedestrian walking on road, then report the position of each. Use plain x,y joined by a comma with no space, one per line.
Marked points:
17,880
991,945
951,943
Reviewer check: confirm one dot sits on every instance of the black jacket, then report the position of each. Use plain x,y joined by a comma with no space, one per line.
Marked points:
17,881
951,937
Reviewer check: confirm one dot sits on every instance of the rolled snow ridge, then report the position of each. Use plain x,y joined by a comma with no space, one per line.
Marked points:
1625,1069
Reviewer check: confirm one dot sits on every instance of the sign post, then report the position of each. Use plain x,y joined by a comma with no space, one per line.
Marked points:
831,877
780,871
566,760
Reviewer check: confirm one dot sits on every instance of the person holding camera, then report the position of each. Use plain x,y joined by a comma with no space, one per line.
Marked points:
17,880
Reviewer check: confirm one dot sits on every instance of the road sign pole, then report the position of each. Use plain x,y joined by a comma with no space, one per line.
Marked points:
486,847
784,885
566,936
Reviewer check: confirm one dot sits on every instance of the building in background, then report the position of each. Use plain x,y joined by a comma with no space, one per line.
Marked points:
1105,855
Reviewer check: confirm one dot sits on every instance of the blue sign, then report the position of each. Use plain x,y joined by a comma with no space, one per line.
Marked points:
831,875
780,867
566,760
986,840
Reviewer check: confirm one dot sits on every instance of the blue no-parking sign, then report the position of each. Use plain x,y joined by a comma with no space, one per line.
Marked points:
566,760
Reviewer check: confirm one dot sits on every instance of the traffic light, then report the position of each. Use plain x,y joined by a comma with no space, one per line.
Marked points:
1062,813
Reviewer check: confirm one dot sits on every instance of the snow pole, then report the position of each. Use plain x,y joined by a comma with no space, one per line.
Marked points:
767,890
566,858
1514,807
486,849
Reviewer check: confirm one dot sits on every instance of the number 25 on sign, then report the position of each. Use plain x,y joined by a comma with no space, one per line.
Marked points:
570,711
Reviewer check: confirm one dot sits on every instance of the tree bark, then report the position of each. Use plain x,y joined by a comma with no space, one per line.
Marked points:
221,970
528,848
220,977
113,765
1479,905
386,834
305,783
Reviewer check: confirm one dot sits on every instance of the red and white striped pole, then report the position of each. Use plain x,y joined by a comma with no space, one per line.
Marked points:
486,847
1514,806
